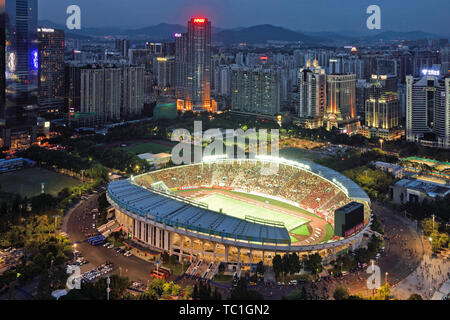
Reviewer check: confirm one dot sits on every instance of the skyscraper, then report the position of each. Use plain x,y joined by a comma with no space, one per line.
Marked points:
122,46
428,109
164,70
382,109
51,69
341,102
19,63
194,62
255,90
133,91
312,94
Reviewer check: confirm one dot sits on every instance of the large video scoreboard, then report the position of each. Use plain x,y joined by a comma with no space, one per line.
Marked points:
349,219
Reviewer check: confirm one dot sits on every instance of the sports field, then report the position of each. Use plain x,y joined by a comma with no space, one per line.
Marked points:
240,209
28,182
148,147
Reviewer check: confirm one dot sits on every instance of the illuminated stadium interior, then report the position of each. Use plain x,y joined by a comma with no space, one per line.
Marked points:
227,210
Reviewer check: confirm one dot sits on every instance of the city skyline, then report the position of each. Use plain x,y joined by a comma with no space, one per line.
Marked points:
319,16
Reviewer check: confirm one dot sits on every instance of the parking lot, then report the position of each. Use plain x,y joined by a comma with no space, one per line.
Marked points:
79,227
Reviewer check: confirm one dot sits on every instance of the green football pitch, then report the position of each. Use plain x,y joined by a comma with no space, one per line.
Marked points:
240,209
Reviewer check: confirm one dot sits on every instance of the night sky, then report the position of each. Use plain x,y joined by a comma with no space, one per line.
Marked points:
308,15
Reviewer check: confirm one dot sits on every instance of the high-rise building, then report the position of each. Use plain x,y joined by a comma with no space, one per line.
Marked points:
19,63
424,60
312,93
164,70
383,117
341,103
194,62
73,87
133,91
51,69
113,82
93,92
156,48
180,65
428,109
122,46
255,90
141,57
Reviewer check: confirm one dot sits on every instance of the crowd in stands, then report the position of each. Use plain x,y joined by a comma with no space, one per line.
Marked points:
290,183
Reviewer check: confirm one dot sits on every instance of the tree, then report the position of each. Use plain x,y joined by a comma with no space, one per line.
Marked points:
277,264
340,293
298,294
294,263
188,291
241,292
415,296
314,263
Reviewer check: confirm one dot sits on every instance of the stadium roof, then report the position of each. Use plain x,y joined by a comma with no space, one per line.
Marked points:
176,213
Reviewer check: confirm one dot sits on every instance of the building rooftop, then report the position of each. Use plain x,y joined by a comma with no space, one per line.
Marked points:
429,188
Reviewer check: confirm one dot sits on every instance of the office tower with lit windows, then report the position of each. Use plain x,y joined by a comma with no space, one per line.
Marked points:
312,95
382,109
383,117
341,103
255,90
428,109
51,69
164,71
19,63
193,61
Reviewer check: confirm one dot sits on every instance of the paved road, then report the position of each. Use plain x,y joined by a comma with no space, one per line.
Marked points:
78,222
403,253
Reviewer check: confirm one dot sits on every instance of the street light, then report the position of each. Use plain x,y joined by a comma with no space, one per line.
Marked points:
381,143
108,290
387,277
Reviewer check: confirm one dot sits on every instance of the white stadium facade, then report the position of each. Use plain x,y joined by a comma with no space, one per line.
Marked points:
161,220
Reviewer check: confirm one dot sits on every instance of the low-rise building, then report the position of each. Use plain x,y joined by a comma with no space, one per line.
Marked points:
407,190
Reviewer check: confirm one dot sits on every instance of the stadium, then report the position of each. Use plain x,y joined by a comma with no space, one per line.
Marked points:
225,210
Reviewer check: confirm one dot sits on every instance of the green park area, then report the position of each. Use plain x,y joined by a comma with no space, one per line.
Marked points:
299,154
28,182
149,147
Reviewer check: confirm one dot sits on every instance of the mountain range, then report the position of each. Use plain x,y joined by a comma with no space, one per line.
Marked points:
254,34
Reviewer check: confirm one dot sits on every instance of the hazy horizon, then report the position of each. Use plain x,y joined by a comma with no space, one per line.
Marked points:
306,15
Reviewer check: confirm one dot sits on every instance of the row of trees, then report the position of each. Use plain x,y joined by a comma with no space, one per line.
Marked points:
291,264
431,228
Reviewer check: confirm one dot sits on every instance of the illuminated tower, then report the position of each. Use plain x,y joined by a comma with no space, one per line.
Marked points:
428,109
51,69
194,65
341,102
19,63
312,92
